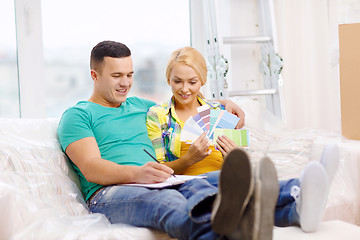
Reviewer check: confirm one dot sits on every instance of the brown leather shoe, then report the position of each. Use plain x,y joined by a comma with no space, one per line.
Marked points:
235,189
269,182
258,219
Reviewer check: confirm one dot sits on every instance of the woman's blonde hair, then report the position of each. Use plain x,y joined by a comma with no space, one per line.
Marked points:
191,57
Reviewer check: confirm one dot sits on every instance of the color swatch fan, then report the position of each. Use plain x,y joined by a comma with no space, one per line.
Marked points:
215,123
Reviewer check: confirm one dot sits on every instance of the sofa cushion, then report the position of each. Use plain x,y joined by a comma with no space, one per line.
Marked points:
40,189
29,150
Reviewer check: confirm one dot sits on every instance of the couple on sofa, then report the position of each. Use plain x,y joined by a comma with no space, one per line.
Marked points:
105,138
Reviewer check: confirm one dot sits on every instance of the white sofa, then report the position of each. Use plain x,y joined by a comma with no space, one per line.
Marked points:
39,191
41,199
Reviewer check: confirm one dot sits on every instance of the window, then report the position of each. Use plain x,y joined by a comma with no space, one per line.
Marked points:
151,29
9,90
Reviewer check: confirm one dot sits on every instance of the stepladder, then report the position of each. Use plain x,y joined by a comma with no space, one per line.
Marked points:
227,51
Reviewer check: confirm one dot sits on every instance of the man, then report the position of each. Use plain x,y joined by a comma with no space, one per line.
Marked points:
105,136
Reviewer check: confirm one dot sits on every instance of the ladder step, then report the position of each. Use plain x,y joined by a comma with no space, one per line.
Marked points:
252,92
254,39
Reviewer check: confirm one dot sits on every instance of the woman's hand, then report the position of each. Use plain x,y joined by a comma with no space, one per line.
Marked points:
233,108
199,150
225,145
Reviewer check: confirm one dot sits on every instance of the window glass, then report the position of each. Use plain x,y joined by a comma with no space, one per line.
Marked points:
9,91
151,29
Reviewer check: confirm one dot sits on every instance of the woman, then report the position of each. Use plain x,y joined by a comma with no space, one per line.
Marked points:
186,73
300,201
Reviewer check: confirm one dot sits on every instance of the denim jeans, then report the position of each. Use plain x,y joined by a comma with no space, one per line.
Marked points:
183,211
285,211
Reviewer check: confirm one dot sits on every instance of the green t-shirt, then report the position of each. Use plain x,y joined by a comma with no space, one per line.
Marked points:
120,133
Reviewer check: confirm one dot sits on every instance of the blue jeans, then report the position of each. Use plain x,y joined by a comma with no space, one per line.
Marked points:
183,211
285,211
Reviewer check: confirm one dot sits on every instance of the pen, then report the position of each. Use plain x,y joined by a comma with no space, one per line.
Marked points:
154,158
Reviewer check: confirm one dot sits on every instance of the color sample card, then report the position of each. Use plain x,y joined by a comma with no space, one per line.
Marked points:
214,114
191,131
224,120
216,123
239,136
200,122
228,121
204,115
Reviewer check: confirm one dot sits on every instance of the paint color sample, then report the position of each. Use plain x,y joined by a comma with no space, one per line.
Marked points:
220,122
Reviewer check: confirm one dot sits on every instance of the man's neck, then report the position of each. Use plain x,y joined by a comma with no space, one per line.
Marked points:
102,102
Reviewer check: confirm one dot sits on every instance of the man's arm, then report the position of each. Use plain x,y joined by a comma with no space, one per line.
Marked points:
233,108
85,154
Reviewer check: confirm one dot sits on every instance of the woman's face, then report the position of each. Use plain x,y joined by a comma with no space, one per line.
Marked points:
184,84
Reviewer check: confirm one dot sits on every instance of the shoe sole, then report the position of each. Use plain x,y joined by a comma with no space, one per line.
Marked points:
267,189
314,188
235,190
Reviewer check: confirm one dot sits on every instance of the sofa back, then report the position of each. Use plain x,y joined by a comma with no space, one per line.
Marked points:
32,163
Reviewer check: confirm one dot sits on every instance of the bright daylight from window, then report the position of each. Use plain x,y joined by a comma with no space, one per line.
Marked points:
151,29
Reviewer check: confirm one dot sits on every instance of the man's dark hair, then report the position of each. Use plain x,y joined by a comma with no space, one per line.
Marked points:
107,49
